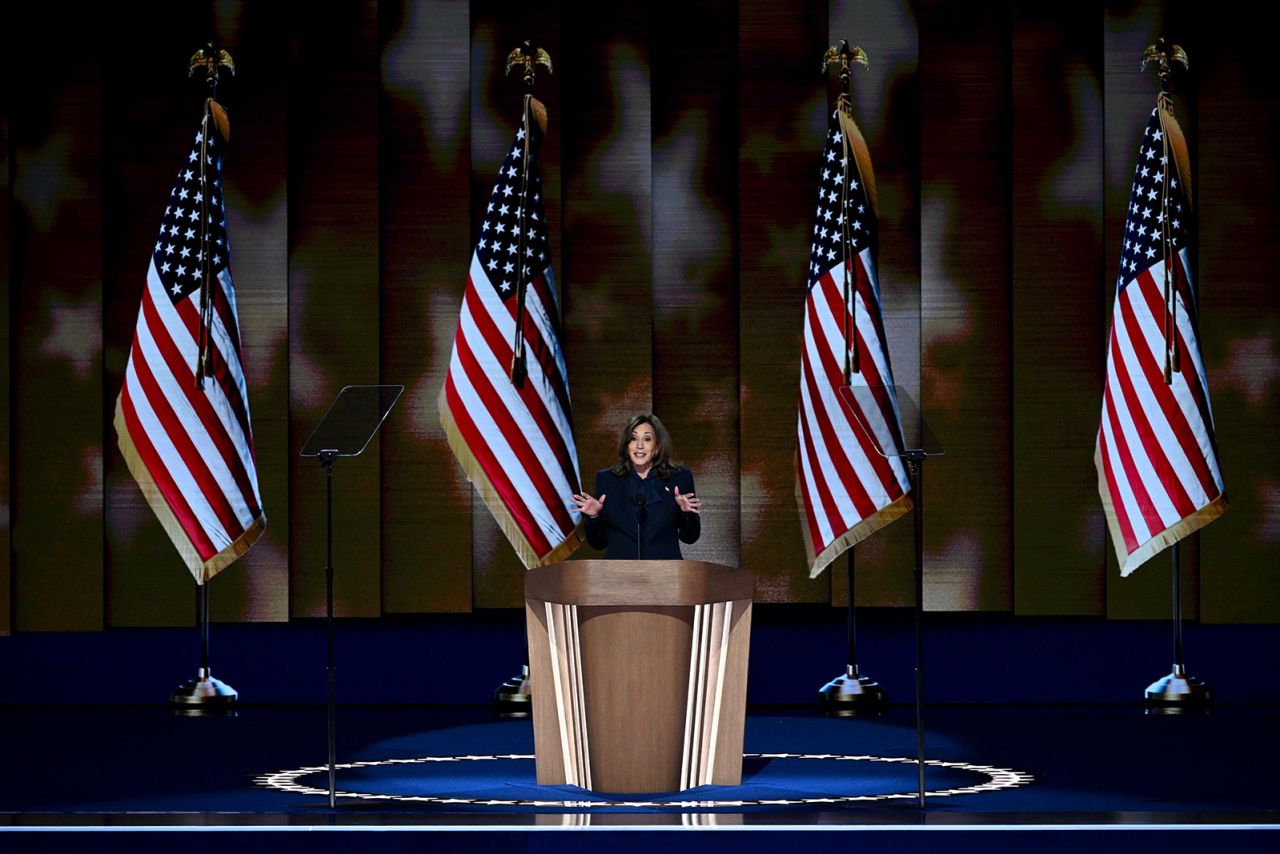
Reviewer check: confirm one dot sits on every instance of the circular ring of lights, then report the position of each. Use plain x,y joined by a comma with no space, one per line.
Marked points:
997,779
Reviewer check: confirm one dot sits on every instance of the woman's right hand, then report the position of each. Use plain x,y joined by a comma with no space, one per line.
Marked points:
588,506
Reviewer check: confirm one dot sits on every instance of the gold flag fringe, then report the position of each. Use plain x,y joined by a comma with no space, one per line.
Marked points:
202,570
1161,541
859,532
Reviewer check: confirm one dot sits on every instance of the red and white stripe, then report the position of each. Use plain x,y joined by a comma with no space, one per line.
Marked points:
516,443
847,486
191,450
1156,454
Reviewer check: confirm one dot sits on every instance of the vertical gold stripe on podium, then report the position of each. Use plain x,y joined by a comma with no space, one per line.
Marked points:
722,614
568,686
700,724
706,688
708,658
578,695
686,759
555,643
699,676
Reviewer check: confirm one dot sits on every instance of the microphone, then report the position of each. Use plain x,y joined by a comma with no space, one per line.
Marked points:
638,501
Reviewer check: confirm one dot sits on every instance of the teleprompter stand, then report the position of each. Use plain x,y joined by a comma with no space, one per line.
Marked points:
911,448
345,431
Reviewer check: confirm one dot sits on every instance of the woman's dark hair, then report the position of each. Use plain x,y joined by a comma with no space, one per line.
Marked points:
662,465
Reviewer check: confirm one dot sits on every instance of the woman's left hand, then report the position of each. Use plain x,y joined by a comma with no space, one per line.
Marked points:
689,503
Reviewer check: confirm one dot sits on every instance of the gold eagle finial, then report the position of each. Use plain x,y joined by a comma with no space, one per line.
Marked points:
527,57
211,58
1164,55
841,55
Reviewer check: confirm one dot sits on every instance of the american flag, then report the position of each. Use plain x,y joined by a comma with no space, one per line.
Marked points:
515,439
846,488
1156,455
191,448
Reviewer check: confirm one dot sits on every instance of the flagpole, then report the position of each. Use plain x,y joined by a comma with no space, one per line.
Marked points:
1177,691
514,697
210,59
850,692
204,693
1177,606
915,465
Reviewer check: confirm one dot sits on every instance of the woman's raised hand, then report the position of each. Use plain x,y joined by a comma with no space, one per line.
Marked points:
588,506
688,503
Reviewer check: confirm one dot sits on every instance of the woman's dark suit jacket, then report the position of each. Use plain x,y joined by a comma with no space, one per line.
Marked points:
614,528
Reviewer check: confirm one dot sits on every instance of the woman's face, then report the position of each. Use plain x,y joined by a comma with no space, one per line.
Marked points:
641,448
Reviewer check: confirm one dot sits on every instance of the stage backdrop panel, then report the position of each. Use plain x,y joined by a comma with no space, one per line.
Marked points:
6,195
1058,323
424,161
695,259
1238,183
334,307
680,174
55,357
965,294
781,120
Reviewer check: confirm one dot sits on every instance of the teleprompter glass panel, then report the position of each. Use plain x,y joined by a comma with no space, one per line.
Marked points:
352,420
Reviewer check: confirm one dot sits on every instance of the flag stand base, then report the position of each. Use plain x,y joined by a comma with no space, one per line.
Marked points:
514,698
204,692
1177,692
851,693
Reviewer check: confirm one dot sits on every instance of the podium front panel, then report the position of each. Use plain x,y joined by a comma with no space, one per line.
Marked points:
638,698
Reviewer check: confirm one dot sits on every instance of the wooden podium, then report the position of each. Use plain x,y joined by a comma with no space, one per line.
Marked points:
639,672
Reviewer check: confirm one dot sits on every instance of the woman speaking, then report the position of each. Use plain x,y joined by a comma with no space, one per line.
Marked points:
646,505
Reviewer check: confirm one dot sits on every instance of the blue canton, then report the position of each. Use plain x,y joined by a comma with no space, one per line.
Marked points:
499,242
826,252
179,252
1149,208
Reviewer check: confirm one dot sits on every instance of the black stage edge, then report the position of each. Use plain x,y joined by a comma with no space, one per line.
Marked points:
899,839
